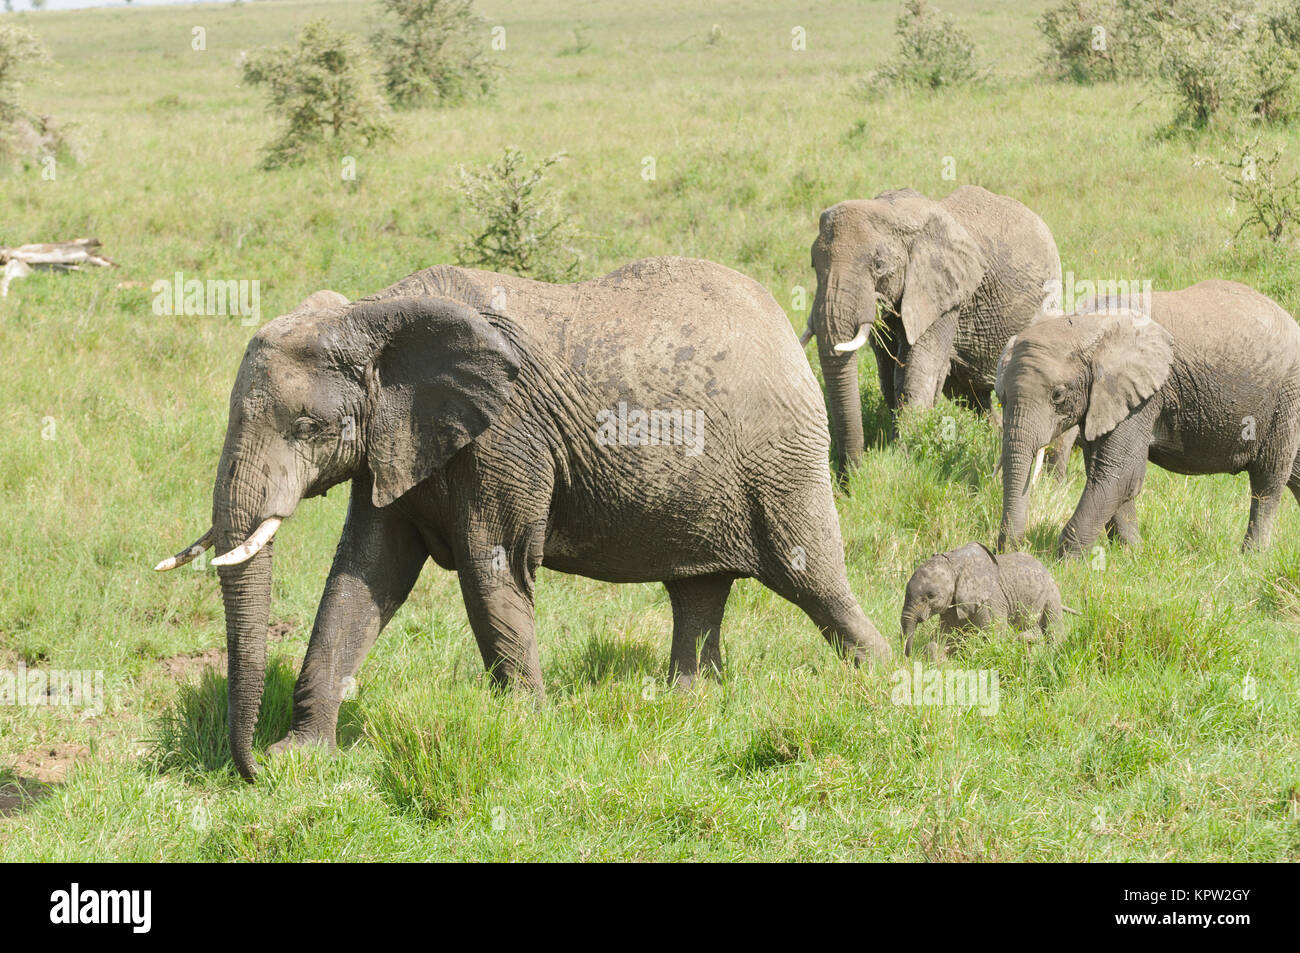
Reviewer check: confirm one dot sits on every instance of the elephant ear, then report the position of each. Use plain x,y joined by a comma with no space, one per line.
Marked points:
440,374
944,268
977,577
1130,361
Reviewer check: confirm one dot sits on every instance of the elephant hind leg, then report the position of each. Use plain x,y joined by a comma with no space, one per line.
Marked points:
797,531
846,627
698,604
1265,495
1293,482
839,618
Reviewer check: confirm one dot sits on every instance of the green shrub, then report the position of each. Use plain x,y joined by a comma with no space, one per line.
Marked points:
193,736
20,54
1270,196
1228,58
440,750
325,91
436,52
519,227
1240,56
1092,41
958,443
933,53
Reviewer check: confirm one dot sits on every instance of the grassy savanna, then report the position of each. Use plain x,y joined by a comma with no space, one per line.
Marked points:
1161,725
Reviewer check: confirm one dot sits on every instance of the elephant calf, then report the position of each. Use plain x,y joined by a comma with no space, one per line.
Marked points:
658,424
972,587
1208,382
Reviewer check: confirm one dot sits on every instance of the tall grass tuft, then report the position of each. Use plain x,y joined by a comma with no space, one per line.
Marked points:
441,749
192,736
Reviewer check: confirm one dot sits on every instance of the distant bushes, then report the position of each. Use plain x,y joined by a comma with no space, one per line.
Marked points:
933,53
1091,41
323,88
330,87
1257,183
1240,57
517,225
434,52
22,134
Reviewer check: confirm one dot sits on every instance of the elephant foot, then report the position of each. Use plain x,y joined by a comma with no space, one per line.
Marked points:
297,739
695,681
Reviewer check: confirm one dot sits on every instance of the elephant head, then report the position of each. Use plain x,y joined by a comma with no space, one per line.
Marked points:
901,252
964,577
1084,369
388,389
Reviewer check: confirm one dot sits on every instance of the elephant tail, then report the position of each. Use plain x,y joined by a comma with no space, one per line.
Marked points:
1067,609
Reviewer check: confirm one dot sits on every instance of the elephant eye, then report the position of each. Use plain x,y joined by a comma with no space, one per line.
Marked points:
1058,393
305,428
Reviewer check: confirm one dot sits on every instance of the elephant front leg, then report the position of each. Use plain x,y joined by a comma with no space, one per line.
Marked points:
886,363
1058,453
497,585
378,560
1116,465
920,379
1123,526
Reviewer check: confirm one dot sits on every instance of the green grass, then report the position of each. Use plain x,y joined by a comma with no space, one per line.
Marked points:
1161,725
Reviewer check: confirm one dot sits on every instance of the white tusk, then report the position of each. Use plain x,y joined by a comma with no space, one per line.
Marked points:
189,553
856,343
806,336
1038,466
252,546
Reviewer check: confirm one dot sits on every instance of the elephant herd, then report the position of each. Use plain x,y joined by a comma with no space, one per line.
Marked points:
662,423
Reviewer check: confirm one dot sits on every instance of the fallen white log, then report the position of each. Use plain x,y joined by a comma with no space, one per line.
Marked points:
14,269
55,256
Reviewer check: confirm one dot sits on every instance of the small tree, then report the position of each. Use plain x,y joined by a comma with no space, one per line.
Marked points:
20,52
435,52
519,227
1271,197
1226,56
324,88
1078,41
933,52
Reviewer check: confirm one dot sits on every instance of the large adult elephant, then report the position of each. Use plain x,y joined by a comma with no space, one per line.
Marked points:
658,424
954,280
1209,382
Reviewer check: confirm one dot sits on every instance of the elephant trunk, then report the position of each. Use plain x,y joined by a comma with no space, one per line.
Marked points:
908,622
843,313
240,527
246,592
1023,435
841,374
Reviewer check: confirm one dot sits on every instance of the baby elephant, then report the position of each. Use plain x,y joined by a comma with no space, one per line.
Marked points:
971,588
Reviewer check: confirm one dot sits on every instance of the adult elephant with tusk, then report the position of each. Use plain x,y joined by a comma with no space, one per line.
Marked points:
656,424
1207,382
952,280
